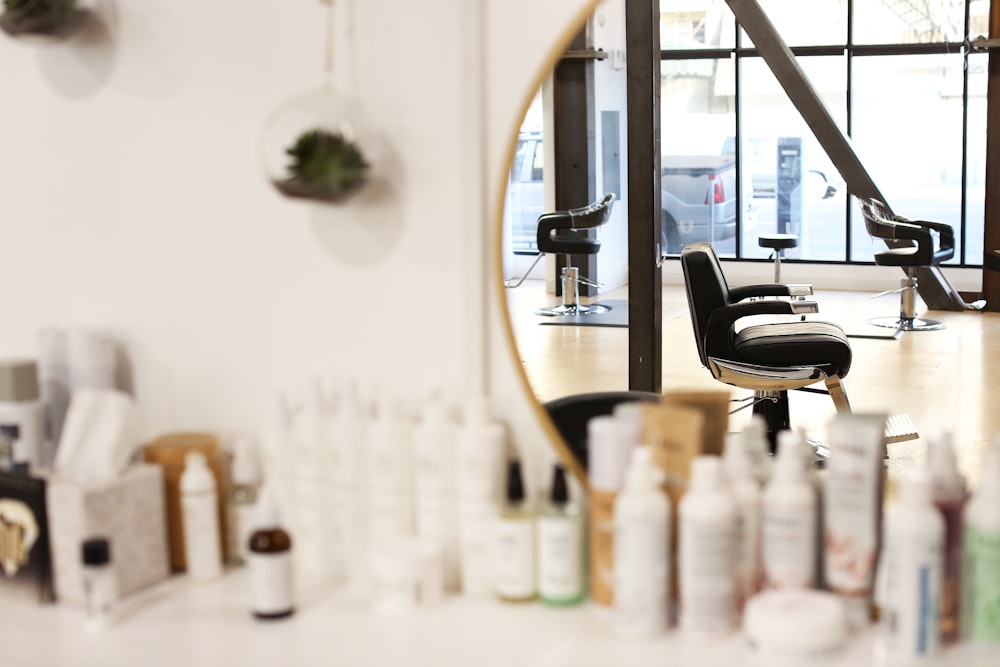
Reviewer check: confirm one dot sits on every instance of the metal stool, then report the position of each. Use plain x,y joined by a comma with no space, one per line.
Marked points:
778,243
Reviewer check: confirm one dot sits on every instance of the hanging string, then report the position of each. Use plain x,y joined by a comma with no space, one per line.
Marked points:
328,64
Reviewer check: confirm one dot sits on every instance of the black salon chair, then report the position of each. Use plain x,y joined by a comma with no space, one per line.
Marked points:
913,244
767,358
570,415
554,237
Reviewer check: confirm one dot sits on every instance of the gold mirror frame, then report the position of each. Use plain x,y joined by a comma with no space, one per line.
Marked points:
546,69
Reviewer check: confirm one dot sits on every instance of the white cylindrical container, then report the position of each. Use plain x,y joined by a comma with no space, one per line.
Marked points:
981,555
560,545
389,463
479,451
914,555
312,470
641,551
21,426
348,440
608,452
707,535
788,520
100,588
200,518
434,445
745,488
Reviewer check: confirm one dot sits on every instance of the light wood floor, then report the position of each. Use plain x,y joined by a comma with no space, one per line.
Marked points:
944,380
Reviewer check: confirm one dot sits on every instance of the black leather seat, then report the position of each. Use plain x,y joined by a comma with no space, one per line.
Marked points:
770,358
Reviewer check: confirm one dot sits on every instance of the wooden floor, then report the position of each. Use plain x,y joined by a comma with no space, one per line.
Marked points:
944,380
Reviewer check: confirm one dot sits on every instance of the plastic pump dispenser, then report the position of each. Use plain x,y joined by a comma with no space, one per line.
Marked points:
199,509
950,497
641,551
788,530
515,542
981,567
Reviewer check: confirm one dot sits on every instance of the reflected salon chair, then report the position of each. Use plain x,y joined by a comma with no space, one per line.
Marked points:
927,244
555,237
768,358
570,415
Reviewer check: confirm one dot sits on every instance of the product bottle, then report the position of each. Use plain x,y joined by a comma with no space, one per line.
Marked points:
788,519
21,423
707,531
914,551
199,515
608,453
348,493
434,472
479,469
641,551
99,585
312,470
754,439
981,556
514,542
389,463
950,497
745,488
269,559
242,499
560,545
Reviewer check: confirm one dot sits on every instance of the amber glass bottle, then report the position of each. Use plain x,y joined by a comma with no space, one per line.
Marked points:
269,557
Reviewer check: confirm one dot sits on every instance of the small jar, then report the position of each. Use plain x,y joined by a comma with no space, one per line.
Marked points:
99,586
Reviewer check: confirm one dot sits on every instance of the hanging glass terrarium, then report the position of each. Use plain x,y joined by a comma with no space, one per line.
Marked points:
318,146
46,18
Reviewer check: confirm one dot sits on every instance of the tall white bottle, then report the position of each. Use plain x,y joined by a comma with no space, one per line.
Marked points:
914,556
389,464
311,473
789,519
434,445
560,545
981,566
480,454
514,542
200,518
707,532
347,441
745,488
950,497
641,551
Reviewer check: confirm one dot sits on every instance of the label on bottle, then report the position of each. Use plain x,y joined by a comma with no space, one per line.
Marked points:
201,535
981,585
641,576
514,558
911,612
271,585
560,557
788,537
707,582
602,542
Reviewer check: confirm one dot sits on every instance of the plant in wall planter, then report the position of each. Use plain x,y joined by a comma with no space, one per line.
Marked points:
48,18
325,166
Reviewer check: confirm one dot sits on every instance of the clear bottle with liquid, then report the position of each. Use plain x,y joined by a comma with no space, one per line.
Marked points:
99,585
241,500
514,542
560,545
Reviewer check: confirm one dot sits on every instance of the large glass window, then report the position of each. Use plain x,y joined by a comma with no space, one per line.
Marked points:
898,77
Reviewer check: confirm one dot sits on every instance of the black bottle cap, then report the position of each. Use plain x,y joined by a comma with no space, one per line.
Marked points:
559,494
96,551
515,485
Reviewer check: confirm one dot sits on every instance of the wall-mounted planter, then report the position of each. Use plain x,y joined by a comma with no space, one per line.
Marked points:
318,147
55,19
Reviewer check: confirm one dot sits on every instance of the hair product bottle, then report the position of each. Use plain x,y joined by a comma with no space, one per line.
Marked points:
950,496
434,472
641,551
199,512
99,583
348,493
707,531
560,545
514,566
242,499
269,559
390,473
914,550
981,557
788,519
480,444
745,488
608,453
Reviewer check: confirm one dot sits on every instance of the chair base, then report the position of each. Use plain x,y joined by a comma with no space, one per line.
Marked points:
907,324
572,311
773,407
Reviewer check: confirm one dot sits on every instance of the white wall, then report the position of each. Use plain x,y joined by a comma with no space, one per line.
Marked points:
132,198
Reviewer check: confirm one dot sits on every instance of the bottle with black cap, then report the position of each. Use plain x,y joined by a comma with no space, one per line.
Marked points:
99,585
560,545
514,540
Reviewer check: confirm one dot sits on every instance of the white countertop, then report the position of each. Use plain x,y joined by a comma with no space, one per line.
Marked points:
190,624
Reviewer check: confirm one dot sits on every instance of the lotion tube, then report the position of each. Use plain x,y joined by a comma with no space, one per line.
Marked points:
434,471
788,521
390,474
852,510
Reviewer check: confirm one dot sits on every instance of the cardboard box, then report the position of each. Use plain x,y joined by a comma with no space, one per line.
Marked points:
130,512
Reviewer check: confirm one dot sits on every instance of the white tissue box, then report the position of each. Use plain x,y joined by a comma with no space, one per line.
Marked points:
129,512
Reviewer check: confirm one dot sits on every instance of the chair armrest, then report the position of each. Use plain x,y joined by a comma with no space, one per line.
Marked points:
946,232
748,291
725,317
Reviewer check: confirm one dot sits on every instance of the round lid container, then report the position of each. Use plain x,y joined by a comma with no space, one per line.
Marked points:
796,624
18,380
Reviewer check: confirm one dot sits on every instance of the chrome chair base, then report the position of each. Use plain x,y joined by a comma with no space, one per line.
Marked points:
572,311
907,324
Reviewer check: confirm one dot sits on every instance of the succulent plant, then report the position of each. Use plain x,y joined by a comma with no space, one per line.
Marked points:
325,165
40,16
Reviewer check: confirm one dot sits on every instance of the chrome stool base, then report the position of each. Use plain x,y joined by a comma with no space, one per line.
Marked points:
907,324
572,311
